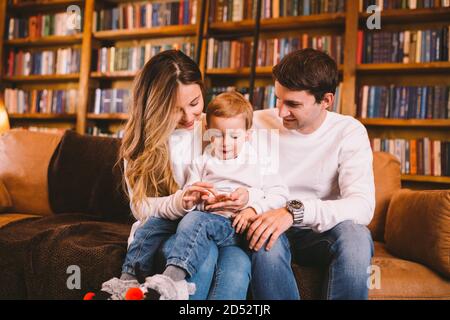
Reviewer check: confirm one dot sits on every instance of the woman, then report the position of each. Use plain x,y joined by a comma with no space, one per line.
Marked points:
157,147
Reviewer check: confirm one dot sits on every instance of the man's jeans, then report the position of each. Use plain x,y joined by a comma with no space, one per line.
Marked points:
345,251
224,273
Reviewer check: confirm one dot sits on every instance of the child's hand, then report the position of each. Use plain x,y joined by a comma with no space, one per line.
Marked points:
193,194
241,219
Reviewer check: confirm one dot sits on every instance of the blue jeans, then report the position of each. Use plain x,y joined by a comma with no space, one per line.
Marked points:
148,238
272,275
223,275
345,250
194,235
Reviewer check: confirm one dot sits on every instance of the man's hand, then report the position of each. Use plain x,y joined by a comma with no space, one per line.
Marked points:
194,193
241,219
269,225
238,200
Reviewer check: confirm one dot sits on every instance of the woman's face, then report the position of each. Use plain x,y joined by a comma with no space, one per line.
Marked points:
190,103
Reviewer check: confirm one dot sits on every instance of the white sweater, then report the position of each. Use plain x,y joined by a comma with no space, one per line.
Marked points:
248,170
329,170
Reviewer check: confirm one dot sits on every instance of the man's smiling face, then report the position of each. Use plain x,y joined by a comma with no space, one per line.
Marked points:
298,109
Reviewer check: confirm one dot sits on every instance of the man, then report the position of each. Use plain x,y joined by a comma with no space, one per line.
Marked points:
326,161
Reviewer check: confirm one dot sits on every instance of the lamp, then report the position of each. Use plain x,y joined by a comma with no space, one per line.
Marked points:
4,122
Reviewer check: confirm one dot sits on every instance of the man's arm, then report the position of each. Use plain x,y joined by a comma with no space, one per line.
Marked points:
274,195
356,184
357,201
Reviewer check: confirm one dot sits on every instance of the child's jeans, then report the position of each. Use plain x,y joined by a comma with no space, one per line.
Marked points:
148,239
193,236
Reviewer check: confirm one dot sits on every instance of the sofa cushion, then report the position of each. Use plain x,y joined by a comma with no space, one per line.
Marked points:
5,198
25,156
7,218
399,279
387,175
418,228
402,279
84,177
35,255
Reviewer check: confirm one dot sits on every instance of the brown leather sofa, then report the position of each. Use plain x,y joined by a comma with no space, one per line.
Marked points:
61,205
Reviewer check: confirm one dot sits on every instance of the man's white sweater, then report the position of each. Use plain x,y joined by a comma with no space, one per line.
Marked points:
329,170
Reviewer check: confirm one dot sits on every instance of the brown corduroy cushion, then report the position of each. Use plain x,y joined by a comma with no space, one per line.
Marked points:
24,159
5,198
83,177
386,170
418,228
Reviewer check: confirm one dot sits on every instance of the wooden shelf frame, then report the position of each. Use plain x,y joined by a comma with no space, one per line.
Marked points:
421,178
53,40
42,116
427,123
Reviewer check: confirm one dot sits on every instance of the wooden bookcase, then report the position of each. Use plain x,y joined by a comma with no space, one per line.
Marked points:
352,75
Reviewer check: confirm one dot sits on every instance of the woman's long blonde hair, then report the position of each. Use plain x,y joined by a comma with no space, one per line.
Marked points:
152,119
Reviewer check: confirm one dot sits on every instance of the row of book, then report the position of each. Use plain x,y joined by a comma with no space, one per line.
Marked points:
41,101
231,10
111,101
42,26
432,102
284,8
418,156
102,132
404,46
146,15
403,4
236,53
228,53
264,97
60,61
111,59
271,51
237,10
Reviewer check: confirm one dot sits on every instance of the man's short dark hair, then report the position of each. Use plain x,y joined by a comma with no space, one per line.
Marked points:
308,69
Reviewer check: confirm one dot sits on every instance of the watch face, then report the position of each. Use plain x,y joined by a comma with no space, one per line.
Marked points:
296,204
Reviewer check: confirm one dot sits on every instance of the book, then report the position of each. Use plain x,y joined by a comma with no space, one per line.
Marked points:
271,51
112,59
110,101
417,156
407,46
46,62
412,102
402,4
41,101
41,25
228,53
146,15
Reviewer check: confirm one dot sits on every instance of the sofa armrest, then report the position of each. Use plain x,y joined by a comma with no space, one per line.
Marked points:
5,198
418,228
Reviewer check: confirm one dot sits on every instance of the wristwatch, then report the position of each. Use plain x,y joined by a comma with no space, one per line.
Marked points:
297,209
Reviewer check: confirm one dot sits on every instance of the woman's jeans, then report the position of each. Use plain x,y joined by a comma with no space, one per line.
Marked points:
224,274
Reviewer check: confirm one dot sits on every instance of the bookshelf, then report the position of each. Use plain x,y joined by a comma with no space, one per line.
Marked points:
347,24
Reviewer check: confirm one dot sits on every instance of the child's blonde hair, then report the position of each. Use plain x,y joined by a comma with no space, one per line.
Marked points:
228,105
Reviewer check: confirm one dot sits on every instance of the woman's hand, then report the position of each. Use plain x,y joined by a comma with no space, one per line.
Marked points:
236,202
195,193
241,220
